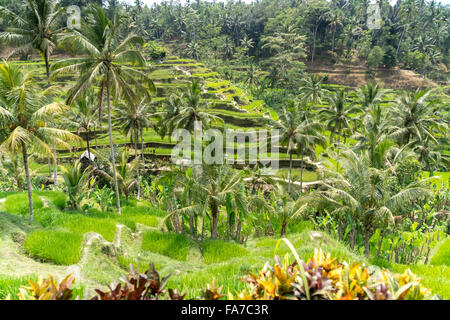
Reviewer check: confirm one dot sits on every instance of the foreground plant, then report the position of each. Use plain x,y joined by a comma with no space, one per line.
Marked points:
48,289
321,278
139,286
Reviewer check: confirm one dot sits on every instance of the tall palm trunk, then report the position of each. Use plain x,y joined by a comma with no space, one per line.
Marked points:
111,146
367,241
191,225
142,147
55,169
301,174
136,156
47,67
215,219
338,150
334,32
283,229
28,178
87,143
95,138
55,164
49,164
290,172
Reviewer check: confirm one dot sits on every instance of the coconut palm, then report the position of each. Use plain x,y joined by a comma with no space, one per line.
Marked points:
77,182
257,178
374,137
216,186
34,28
82,116
107,61
172,107
132,119
24,114
430,153
337,116
247,43
361,192
126,174
193,50
193,109
415,115
286,208
368,95
311,89
334,19
297,134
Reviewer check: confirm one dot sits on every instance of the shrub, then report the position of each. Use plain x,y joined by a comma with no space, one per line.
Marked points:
18,203
442,255
219,251
59,246
375,58
390,57
155,50
175,246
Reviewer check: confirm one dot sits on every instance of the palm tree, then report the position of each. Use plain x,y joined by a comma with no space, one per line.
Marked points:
193,109
286,208
311,89
216,185
247,43
430,153
374,137
257,178
334,19
172,107
126,173
252,76
77,183
337,117
415,116
132,119
106,61
368,95
362,192
23,115
82,116
34,28
298,134
193,50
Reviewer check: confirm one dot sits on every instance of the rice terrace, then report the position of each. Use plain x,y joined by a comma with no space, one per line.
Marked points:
224,150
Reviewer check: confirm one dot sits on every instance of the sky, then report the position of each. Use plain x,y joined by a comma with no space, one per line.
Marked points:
150,2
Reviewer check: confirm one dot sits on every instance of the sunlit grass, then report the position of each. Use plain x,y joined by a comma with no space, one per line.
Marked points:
175,246
58,246
219,251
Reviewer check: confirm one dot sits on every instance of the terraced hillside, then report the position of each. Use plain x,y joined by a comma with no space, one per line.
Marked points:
239,110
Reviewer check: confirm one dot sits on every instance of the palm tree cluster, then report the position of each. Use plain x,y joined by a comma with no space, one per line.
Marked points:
106,59
366,139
